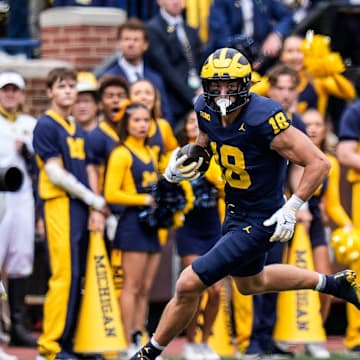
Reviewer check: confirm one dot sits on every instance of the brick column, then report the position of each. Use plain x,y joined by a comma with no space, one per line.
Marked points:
84,36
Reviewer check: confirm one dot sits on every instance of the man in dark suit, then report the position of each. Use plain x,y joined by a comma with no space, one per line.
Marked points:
266,21
175,51
129,62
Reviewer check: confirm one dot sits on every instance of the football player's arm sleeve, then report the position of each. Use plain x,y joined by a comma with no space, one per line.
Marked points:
333,206
119,187
67,181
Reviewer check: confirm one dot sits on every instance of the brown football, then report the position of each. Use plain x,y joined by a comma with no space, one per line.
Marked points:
194,152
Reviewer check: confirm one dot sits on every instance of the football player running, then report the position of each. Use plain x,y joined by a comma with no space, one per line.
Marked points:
251,139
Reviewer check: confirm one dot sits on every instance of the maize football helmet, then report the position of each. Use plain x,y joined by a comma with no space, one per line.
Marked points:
226,64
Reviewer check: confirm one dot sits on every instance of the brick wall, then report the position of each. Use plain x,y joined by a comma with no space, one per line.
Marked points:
81,36
77,37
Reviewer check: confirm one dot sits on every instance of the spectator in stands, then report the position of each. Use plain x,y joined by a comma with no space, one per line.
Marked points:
103,138
320,72
64,183
113,90
132,43
161,135
267,22
85,109
132,170
17,225
175,51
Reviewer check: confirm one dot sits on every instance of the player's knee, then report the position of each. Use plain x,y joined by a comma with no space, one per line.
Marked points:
189,286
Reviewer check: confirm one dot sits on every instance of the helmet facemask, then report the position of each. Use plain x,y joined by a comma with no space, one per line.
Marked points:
225,104
228,65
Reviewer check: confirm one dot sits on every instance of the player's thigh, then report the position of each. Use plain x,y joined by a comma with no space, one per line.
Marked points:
238,253
247,284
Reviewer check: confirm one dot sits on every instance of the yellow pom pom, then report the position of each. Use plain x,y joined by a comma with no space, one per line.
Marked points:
316,46
319,60
346,245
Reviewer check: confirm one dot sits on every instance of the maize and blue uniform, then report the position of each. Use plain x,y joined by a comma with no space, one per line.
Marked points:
254,186
102,140
308,98
127,181
202,225
161,137
66,220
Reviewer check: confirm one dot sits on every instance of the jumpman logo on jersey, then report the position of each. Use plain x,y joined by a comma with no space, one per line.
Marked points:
247,229
242,127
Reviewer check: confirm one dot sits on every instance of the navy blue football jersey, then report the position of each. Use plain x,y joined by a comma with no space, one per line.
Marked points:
255,177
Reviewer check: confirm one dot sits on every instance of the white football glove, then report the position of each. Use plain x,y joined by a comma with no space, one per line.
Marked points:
176,171
285,220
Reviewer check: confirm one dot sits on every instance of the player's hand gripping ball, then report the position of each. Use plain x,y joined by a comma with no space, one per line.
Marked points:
187,163
194,153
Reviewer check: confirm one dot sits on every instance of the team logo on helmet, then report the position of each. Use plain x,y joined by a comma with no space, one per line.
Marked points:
227,64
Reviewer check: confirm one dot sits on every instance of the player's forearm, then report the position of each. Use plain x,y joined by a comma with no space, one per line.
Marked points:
313,176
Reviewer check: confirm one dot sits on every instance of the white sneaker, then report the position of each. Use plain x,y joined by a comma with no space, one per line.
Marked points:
131,350
317,351
208,352
6,356
192,351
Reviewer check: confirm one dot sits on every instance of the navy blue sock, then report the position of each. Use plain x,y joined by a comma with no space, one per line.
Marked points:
330,286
